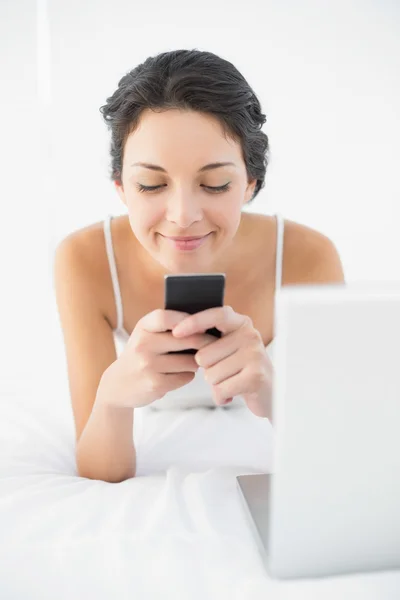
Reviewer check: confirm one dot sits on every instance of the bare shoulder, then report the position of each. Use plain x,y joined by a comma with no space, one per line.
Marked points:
87,243
85,248
309,256
312,255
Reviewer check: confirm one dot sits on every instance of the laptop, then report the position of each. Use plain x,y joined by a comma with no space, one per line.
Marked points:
332,503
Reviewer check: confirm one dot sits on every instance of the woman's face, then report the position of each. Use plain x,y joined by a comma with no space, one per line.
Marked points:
175,153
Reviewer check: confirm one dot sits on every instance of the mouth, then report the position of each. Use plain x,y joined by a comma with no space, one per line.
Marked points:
186,239
187,242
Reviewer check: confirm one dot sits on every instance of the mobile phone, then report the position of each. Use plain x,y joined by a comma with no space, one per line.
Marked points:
192,293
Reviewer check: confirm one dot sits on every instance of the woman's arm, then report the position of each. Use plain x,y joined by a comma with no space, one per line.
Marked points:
106,449
104,434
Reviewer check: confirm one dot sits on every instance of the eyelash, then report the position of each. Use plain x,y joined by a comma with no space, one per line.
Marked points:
213,190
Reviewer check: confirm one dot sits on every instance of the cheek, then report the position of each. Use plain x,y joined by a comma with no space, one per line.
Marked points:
143,216
227,216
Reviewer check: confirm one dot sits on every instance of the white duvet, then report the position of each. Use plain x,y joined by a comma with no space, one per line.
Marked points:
177,530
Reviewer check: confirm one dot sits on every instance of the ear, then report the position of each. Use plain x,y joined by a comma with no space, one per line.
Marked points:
250,190
120,191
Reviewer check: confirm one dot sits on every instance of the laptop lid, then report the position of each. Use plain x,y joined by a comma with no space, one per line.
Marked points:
335,491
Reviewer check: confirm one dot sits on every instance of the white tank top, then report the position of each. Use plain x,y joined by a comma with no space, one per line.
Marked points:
197,393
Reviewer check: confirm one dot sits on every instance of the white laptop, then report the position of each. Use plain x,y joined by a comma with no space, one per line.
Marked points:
332,504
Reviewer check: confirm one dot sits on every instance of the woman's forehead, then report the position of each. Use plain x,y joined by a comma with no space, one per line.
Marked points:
173,137
174,127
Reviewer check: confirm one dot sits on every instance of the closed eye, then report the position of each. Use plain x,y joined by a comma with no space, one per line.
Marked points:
211,189
220,188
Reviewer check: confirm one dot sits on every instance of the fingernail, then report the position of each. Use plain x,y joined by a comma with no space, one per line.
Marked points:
178,332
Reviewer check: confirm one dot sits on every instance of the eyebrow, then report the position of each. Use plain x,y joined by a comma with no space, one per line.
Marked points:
209,167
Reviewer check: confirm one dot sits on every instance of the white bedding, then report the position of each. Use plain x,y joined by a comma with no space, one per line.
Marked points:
177,530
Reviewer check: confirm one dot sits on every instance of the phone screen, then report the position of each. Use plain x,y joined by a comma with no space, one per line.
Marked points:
193,293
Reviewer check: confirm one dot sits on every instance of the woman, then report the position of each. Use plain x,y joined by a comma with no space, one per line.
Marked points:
187,155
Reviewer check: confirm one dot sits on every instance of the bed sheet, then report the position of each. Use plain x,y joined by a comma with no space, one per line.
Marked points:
177,530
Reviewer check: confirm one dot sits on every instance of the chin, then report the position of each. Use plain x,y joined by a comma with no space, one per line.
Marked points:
186,266
193,262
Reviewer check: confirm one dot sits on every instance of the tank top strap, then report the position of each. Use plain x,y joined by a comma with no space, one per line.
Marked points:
279,250
113,270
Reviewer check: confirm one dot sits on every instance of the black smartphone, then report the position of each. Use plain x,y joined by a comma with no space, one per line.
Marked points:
193,293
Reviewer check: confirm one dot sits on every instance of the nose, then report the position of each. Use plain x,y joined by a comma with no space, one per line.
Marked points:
183,209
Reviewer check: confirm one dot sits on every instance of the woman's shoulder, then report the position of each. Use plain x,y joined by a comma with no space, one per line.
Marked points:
88,245
308,254
294,231
296,236
91,237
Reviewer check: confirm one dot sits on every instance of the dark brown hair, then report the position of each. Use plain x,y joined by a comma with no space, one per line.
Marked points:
189,80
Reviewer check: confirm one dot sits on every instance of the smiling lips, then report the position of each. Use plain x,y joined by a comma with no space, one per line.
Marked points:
186,239
187,243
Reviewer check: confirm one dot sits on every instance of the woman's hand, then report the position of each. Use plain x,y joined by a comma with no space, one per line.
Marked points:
145,371
236,363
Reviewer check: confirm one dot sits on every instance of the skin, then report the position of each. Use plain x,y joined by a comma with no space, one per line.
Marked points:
184,206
